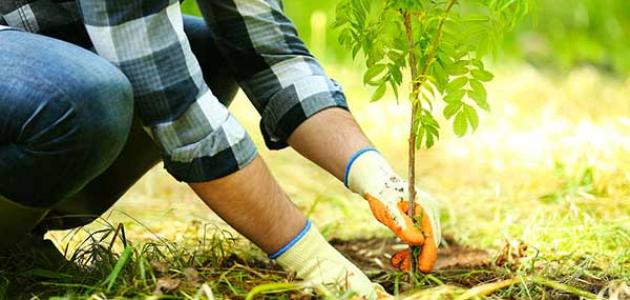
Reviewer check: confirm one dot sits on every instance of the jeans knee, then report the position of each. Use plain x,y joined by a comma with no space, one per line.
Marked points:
107,115
65,115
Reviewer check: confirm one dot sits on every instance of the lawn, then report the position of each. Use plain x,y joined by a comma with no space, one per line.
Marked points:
548,170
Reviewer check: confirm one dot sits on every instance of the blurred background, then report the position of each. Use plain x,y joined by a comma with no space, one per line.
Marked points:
549,165
559,35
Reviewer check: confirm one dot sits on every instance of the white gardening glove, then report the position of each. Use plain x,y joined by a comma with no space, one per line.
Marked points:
369,175
315,261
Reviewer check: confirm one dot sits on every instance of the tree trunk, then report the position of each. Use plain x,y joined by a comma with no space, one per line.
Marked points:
411,166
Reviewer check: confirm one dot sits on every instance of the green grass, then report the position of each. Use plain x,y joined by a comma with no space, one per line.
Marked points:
550,166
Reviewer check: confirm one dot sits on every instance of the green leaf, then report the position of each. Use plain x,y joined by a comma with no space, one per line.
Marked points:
394,88
430,140
441,78
419,137
483,105
345,37
396,73
434,131
379,93
372,72
429,120
478,64
460,125
416,123
451,109
479,99
427,98
478,88
479,94
458,68
355,50
472,116
455,96
482,75
456,84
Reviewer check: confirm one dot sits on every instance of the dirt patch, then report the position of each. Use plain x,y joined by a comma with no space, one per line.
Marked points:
374,254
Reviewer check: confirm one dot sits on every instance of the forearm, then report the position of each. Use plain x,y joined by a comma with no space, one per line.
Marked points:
329,139
253,203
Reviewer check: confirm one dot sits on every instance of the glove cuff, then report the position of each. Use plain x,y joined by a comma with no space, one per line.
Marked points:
315,261
352,160
294,241
367,171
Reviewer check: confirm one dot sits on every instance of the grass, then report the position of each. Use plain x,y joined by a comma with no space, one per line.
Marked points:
550,166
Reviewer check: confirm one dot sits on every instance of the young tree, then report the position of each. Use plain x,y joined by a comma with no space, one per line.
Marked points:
441,43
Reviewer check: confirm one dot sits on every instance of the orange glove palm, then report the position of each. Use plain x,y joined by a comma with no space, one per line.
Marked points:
369,175
393,214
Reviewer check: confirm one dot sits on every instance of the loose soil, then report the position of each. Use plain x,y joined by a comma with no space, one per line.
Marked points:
374,254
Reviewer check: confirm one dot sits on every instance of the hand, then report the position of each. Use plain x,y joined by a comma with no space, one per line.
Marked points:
389,206
316,262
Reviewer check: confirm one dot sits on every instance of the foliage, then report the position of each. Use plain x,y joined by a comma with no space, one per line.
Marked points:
567,33
447,41
547,38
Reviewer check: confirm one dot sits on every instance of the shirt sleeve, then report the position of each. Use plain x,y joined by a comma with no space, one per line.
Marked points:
286,84
200,140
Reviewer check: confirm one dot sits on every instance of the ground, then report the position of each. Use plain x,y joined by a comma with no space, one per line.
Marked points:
548,170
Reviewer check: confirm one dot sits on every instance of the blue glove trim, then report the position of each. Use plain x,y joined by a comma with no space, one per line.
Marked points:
296,239
351,161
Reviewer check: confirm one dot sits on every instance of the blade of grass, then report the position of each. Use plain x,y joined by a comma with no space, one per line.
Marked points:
271,288
564,287
122,261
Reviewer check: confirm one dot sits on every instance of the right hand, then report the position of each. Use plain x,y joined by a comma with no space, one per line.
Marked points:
389,207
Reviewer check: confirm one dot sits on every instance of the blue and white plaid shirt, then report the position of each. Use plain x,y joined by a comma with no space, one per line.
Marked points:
199,138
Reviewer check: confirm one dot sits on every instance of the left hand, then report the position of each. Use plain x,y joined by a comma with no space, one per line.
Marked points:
389,206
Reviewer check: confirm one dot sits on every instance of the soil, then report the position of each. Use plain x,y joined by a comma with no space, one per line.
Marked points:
374,254
458,265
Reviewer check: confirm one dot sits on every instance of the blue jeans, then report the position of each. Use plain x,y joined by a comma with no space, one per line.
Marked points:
64,117
68,138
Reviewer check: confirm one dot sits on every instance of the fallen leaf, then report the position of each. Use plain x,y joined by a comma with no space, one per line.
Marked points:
166,285
191,275
159,266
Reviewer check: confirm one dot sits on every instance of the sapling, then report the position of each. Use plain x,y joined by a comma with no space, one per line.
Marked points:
441,44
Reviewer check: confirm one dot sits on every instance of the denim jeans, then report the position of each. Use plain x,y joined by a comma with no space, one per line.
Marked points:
65,117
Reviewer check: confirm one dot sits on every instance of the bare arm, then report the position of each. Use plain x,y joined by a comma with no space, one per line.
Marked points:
253,203
329,139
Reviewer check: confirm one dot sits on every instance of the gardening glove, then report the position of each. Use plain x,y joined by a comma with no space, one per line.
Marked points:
315,261
369,175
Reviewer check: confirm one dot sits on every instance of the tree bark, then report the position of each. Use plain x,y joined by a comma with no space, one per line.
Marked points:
411,165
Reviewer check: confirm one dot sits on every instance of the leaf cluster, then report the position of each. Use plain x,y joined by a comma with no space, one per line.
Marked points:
448,40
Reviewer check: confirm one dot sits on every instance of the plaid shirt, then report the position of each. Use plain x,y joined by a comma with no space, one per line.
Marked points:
199,138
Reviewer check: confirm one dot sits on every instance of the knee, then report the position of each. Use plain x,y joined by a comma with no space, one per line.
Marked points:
94,113
66,115
105,115
79,132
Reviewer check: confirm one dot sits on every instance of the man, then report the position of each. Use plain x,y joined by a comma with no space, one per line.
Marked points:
65,115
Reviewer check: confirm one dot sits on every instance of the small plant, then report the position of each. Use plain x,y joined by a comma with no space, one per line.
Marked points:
442,44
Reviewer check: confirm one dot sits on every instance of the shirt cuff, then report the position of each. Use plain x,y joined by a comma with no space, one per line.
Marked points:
293,105
206,168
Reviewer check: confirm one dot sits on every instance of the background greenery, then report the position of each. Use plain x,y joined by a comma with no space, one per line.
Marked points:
559,35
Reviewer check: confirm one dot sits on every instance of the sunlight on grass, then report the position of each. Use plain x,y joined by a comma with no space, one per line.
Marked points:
550,165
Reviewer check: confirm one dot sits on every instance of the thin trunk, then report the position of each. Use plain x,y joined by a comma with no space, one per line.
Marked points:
417,80
411,166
